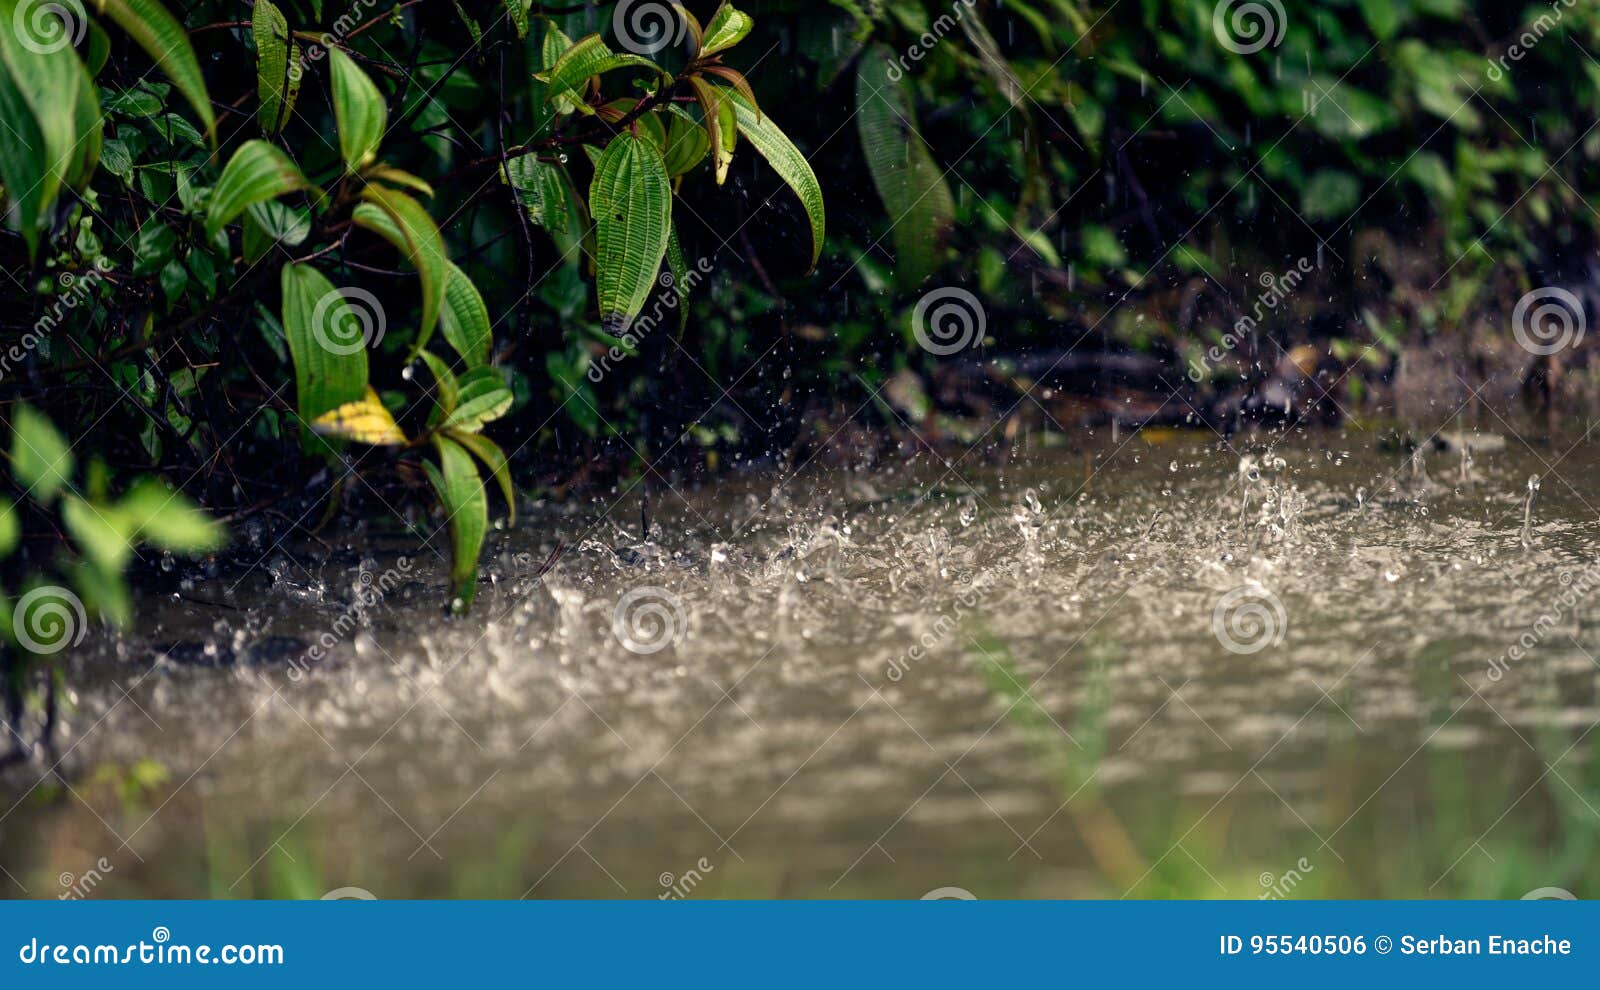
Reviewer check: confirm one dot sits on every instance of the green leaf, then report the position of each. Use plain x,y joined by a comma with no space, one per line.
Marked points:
41,460
678,265
484,398
103,535
272,222
10,527
788,162
164,518
256,173
494,459
449,388
326,342
686,143
1381,16
464,320
910,183
275,89
359,110
167,44
53,110
1330,195
631,201
461,495
518,9
540,189
728,27
403,222
585,59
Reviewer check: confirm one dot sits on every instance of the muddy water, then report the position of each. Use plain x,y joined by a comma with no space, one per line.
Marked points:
1159,665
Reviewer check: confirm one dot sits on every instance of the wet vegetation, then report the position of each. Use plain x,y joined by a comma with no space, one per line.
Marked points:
305,283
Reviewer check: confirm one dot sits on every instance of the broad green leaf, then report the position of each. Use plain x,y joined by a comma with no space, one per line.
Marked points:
272,222
466,507
518,9
53,108
540,189
403,222
464,319
102,535
256,173
494,459
484,398
585,59
275,90
167,44
686,143
30,182
41,460
359,110
631,201
910,183
554,45
327,342
367,420
788,162
162,517
728,27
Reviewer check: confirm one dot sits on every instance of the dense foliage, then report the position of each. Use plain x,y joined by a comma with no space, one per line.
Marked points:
302,255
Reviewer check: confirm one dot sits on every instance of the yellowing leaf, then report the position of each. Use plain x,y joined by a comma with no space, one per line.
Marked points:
366,421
